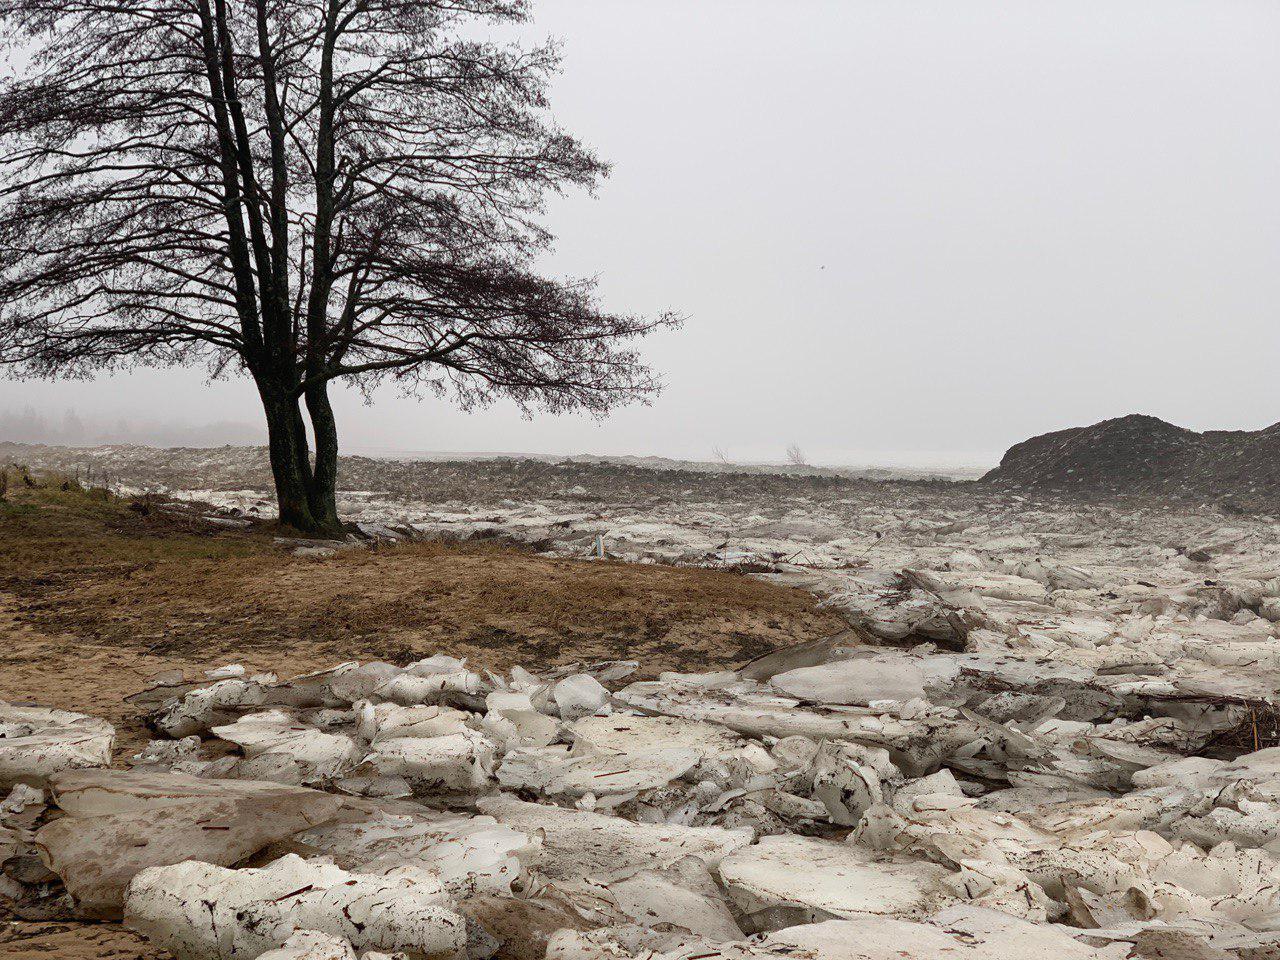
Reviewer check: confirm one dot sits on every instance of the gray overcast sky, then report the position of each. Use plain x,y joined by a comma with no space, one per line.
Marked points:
902,231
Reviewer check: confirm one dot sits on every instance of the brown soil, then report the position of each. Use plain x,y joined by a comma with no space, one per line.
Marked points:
74,941
96,597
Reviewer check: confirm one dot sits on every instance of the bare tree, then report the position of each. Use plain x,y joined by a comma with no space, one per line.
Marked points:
795,456
303,191
718,454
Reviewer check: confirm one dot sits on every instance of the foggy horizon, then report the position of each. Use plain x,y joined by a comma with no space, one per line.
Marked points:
72,429
905,235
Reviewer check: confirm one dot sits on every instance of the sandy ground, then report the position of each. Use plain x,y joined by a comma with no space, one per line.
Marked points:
74,941
95,598
87,646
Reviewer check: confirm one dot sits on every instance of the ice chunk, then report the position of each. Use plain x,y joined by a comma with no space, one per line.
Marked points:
580,696
579,843
312,945
856,681
37,743
318,756
822,879
684,895
118,823
964,933
198,911
202,709
553,772
848,778
469,854
459,761
629,734
386,721
513,720
409,689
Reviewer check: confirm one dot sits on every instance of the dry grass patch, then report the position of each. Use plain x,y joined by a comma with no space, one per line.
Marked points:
95,597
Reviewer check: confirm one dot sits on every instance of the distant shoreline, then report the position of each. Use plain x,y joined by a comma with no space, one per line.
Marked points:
863,470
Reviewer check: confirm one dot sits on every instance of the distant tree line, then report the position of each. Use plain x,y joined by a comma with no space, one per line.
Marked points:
71,428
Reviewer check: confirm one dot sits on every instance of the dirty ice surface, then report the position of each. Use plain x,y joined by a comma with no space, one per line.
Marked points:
1050,730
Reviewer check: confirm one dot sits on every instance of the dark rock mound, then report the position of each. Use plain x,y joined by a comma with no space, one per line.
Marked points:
1145,455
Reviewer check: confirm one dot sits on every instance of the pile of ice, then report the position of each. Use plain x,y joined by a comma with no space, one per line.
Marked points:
1022,797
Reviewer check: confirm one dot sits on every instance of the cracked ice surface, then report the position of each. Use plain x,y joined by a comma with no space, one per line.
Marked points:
1048,731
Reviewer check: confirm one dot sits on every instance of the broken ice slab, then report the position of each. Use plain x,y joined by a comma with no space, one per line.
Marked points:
514,721
552,771
37,742
958,933
580,696
311,945
918,743
349,682
1048,768
950,831
23,875
119,822
848,778
684,896
811,654
752,713
787,879
199,710
622,733
460,762
386,721
621,941
578,843
970,932
470,854
318,756
198,911
409,689
164,754
863,676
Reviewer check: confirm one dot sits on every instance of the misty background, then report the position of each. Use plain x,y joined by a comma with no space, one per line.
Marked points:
907,233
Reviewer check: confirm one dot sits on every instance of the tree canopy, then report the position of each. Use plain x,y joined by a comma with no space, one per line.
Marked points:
300,190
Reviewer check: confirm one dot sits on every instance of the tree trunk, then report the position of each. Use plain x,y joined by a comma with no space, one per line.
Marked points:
290,462
324,475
